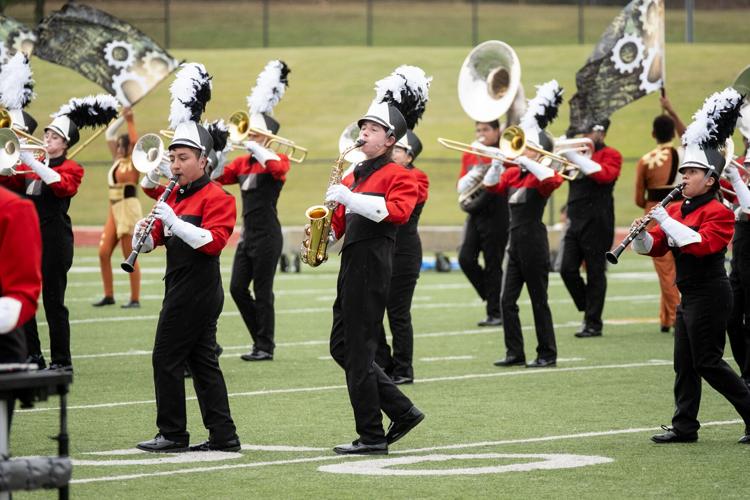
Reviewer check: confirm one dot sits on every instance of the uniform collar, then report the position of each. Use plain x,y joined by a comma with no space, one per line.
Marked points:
367,167
192,187
56,162
692,204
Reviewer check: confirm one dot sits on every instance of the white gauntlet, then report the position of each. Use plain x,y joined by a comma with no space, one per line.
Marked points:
586,165
643,243
45,173
260,153
537,169
467,181
677,231
739,186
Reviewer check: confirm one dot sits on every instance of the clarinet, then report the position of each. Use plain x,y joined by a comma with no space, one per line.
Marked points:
614,255
129,264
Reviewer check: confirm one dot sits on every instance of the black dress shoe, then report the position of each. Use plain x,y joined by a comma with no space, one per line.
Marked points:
357,448
398,380
160,444
133,304
257,355
406,422
218,350
60,367
542,363
491,321
510,361
746,438
231,445
588,332
106,301
38,360
671,435
665,329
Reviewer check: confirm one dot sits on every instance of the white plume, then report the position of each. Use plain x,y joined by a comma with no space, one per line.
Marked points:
270,87
16,83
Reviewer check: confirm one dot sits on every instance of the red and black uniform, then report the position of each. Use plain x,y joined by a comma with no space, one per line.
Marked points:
738,326
703,310
407,262
193,300
362,292
20,268
485,231
528,259
592,228
260,244
52,202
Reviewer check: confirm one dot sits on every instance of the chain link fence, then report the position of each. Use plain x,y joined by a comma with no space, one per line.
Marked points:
187,24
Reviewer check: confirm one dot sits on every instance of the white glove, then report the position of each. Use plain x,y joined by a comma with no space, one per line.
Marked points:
739,186
164,213
148,243
47,175
260,153
332,237
469,180
111,133
643,242
10,310
586,165
165,169
339,193
731,173
492,177
677,231
537,169
151,179
6,171
193,235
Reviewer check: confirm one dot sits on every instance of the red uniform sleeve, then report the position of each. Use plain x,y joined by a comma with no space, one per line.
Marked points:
157,233
278,168
424,185
611,162
727,186
716,230
231,170
338,222
154,192
401,196
20,255
469,160
219,216
548,185
659,246
71,175
505,181
15,183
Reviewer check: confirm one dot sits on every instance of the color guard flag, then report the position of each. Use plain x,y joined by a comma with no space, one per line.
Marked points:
104,49
627,63
14,36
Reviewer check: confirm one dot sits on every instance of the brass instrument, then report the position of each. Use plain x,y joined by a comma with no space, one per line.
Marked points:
314,250
149,152
240,129
6,121
11,148
513,143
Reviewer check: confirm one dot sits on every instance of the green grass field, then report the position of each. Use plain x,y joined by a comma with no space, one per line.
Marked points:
331,87
605,398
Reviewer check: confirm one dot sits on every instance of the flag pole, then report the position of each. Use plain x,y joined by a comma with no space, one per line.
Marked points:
102,129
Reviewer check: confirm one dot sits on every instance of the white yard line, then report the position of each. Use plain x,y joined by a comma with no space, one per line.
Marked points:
295,390
331,457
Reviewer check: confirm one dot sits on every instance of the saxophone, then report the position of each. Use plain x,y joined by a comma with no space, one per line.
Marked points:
315,246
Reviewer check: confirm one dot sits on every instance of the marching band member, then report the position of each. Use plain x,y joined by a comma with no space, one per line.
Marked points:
738,326
261,175
124,210
412,86
528,185
697,231
194,225
407,262
592,228
377,197
51,185
485,229
655,177
20,276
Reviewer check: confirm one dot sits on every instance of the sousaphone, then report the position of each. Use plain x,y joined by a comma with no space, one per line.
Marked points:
742,85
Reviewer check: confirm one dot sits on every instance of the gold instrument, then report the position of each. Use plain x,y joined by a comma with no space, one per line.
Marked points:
314,249
240,129
513,143
149,152
6,121
11,148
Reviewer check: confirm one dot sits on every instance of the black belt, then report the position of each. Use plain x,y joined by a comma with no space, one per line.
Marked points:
657,194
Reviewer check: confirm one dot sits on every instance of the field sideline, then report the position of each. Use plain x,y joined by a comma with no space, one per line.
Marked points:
592,415
331,87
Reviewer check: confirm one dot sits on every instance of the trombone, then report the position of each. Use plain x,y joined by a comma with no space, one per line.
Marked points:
482,151
513,143
240,129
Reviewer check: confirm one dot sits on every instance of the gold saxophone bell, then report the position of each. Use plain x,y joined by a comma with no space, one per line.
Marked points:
513,143
240,129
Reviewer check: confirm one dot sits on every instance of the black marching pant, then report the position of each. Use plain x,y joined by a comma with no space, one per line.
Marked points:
255,261
528,262
57,257
400,295
484,234
186,333
362,293
698,350
587,242
738,326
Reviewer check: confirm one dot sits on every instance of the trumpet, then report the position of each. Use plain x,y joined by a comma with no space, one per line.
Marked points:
11,148
6,121
513,143
240,129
